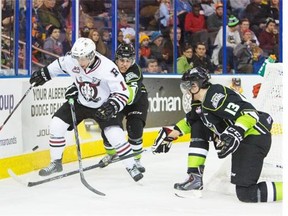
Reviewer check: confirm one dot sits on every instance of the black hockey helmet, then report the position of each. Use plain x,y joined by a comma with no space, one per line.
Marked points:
125,51
197,75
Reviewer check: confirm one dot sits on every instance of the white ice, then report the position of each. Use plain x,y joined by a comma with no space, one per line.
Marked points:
154,195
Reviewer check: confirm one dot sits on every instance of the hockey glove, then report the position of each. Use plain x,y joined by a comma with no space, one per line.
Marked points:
230,140
107,110
71,92
163,142
40,77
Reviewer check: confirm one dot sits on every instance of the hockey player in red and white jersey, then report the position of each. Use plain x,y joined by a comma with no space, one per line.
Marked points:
99,91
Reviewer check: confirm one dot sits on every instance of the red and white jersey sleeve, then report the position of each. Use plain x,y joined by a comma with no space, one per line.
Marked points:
97,84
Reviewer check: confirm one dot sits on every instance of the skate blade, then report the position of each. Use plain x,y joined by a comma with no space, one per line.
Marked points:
188,194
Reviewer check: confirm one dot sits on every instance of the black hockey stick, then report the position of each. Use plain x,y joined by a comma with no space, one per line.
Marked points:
9,116
35,183
83,180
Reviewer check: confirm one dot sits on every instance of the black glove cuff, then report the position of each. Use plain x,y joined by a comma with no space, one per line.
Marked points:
116,108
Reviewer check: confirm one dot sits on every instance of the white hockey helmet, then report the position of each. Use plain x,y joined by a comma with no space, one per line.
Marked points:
83,48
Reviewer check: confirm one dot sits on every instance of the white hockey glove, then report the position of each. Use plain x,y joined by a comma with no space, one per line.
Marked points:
71,92
163,142
230,140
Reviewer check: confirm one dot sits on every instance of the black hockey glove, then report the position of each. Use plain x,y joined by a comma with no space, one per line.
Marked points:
107,110
230,140
163,142
40,77
71,92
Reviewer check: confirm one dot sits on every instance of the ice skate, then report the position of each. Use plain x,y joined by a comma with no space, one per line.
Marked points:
192,186
106,160
139,166
54,166
135,173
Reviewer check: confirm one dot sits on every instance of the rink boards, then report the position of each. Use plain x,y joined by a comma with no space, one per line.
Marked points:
29,125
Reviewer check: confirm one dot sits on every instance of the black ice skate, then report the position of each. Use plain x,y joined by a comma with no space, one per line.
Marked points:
135,173
106,160
54,166
139,166
192,186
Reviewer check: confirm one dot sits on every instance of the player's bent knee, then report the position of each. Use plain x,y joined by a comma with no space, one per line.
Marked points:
247,194
135,128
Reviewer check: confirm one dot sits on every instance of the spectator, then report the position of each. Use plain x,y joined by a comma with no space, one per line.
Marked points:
185,62
274,10
164,14
7,15
49,15
238,7
145,50
52,44
207,7
258,59
156,45
107,40
123,20
243,53
201,59
214,22
183,7
128,35
64,7
120,37
152,66
257,13
37,41
245,25
168,49
6,58
88,26
195,27
94,35
147,11
128,32
67,43
268,38
232,39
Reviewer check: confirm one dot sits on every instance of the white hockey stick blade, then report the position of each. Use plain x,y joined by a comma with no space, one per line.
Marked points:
17,178
188,194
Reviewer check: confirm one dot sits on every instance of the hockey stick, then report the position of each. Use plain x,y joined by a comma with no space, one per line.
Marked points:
35,183
83,180
9,116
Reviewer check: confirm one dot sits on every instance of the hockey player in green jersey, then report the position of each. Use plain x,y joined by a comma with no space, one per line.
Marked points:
235,127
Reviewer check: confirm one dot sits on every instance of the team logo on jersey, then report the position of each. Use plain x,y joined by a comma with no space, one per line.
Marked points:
76,69
216,98
115,72
89,89
129,76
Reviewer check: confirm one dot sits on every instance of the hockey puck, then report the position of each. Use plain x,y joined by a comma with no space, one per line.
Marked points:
35,148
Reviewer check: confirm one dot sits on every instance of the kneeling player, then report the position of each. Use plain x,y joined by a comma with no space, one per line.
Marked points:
223,116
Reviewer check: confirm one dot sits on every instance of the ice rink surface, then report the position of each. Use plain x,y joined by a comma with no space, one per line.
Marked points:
153,195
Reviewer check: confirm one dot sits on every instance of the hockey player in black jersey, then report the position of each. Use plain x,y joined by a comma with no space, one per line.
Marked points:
99,92
137,107
224,117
